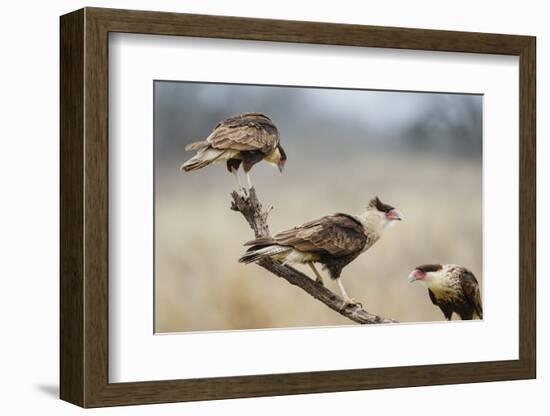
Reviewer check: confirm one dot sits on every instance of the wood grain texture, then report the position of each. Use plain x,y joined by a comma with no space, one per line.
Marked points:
162,23
71,213
251,208
528,209
84,206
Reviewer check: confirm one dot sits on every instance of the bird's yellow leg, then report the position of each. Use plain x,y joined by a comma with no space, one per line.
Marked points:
235,173
347,300
319,278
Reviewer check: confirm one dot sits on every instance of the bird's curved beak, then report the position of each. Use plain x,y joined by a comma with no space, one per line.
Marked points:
394,215
281,166
416,275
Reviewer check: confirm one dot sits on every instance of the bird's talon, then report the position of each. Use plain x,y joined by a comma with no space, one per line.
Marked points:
351,302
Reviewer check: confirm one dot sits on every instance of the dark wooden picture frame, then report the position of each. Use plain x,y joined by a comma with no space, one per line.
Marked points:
84,207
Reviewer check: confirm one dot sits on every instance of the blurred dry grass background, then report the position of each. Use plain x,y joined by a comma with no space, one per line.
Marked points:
198,239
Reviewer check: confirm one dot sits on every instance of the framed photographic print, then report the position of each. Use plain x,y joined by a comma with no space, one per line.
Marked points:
255,207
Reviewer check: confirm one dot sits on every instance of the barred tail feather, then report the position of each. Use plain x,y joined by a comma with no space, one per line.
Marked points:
201,144
259,252
202,159
194,164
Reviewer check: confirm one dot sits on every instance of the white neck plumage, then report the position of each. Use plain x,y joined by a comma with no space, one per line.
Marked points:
374,222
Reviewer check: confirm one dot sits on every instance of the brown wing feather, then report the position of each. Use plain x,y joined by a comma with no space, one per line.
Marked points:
260,241
248,131
338,235
470,286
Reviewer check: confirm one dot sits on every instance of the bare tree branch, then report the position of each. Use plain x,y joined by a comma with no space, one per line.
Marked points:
249,206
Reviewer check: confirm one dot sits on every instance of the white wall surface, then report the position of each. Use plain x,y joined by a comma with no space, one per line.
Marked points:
29,206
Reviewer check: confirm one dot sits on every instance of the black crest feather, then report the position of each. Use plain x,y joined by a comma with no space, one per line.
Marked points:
426,268
379,205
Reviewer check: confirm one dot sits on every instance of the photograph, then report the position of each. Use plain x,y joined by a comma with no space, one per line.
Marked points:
374,195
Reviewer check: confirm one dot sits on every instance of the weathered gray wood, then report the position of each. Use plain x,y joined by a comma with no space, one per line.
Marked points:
251,209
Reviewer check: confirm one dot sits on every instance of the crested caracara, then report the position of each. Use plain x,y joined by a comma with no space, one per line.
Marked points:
334,241
453,288
244,139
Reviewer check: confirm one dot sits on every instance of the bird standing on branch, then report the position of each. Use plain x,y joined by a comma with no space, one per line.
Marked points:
453,288
243,139
334,241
